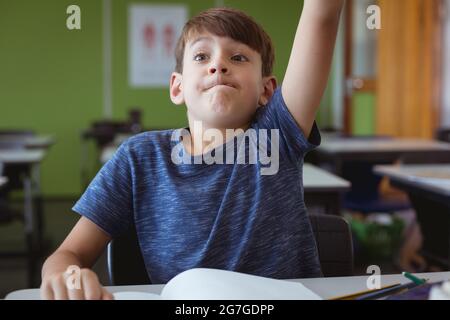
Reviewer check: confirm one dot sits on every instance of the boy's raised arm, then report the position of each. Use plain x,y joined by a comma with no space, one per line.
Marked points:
310,61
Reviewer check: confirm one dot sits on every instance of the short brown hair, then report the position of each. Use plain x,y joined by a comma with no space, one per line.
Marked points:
228,22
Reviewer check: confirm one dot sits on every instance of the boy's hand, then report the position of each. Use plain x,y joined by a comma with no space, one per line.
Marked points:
310,61
55,287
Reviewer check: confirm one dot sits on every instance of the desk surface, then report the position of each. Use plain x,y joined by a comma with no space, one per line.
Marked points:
40,141
433,177
21,156
339,150
355,145
317,179
327,288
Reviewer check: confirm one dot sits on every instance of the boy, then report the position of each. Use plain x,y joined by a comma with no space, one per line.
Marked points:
225,216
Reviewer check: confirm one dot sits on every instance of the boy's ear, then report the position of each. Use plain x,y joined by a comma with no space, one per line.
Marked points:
176,88
270,84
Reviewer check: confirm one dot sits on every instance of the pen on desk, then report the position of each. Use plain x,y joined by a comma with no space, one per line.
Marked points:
388,291
413,278
352,296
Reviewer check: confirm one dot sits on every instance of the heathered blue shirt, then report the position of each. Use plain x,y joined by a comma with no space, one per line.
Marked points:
224,216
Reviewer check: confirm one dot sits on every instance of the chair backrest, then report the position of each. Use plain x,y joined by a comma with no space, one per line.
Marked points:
333,236
125,262
443,134
334,243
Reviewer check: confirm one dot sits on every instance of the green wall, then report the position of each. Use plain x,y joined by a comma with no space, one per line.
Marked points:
51,77
50,80
363,114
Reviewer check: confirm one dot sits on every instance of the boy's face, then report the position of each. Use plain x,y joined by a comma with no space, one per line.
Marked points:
222,83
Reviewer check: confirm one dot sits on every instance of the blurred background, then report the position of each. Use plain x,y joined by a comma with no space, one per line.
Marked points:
76,81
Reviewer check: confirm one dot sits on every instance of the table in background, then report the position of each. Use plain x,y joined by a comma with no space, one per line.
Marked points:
27,142
428,187
327,288
28,162
382,150
354,158
323,188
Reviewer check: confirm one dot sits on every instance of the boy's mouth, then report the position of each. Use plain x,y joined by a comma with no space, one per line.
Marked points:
222,86
219,83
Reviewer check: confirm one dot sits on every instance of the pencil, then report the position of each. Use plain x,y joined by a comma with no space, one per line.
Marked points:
384,292
357,294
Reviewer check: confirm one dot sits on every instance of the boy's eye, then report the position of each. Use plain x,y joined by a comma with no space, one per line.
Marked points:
240,57
200,57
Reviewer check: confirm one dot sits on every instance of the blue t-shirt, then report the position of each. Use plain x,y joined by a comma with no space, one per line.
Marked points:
224,216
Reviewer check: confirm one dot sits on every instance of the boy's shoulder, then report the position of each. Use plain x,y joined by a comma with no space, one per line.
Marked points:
153,134
150,140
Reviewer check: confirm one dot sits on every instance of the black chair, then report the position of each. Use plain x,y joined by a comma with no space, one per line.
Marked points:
443,134
364,195
6,214
334,241
103,133
125,262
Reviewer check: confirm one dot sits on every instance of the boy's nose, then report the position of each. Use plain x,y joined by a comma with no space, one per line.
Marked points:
214,69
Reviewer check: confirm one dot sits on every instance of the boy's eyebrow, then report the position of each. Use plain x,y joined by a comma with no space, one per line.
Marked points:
209,39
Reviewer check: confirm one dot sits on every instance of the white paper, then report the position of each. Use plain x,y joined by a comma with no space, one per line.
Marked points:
135,295
153,34
214,284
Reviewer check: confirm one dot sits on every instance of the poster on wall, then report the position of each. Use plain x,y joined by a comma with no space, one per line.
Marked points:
153,34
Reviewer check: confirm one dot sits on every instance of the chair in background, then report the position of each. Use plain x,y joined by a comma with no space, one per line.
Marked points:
443,134
334,243
7,215
333,236
125,262
11,139
364,195
103,133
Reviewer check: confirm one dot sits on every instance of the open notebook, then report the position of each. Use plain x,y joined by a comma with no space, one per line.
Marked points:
214,284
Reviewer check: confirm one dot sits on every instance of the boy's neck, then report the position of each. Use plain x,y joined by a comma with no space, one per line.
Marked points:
200,141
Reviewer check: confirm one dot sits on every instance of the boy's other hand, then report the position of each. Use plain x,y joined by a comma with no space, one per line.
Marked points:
55,287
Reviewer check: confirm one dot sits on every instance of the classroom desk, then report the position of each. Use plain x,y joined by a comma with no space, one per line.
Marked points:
28,142
326,288
353,158
383,150
28,162
428,187
323,188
